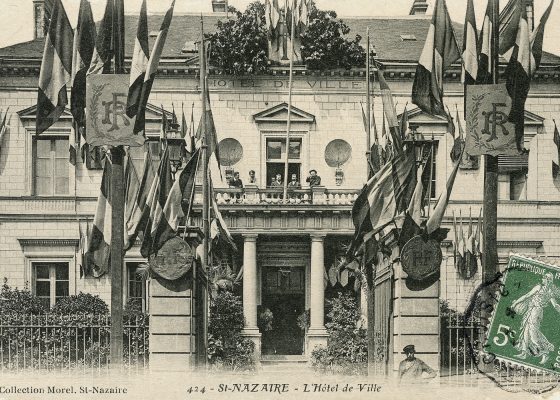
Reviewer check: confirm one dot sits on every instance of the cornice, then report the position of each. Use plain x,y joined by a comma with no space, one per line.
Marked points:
529,244
48,242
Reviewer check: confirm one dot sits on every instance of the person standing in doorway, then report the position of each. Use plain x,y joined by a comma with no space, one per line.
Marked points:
413,369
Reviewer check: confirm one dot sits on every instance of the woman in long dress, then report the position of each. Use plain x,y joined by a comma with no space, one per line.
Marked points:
530,306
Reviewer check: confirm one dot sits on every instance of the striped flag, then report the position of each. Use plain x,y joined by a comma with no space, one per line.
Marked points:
440,51
177,205
83,247
484,74
390,113
516,49
139,63
220,237
538,36
210,134
470,250
272,17
84,42
458,140
132,186
103,52
555,164
403,122
136,218
3,126
99,248
470,47
151,70
374,159
56,69
381,198
157,197
435,219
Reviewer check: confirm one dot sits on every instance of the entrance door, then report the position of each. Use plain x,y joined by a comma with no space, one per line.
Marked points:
284,296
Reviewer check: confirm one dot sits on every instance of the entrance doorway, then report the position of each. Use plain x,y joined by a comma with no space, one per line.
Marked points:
284,295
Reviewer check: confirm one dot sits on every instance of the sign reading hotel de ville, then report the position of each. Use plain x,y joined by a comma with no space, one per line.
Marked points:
488,129
106,119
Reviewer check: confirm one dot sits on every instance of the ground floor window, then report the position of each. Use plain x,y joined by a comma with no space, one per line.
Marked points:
136,286
51,281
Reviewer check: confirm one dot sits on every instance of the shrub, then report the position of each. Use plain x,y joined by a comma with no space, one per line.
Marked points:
346,351
83,303
20,301
227,349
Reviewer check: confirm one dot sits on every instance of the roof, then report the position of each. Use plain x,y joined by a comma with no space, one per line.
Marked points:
385,34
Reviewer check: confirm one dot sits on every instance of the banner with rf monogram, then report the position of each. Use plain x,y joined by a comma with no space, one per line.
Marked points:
488,129
106,119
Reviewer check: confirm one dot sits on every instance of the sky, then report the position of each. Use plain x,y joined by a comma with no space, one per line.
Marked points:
16,19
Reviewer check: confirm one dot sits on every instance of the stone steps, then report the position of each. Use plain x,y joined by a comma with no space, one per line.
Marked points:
291,364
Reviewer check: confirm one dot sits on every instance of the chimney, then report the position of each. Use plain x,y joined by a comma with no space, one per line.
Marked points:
219,6
419,7
530,7
38,19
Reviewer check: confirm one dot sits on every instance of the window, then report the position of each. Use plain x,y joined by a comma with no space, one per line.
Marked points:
136,285
50,166
430,174
276,158
50,281
137,154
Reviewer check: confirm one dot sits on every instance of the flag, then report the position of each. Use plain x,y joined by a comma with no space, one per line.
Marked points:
83,247
3,126
415,206
478,235
484,74
470,47
389,112
177,205
537,38
137,219
158,196
220,238
302,16
104,52
132,186
207,121
458,140
374,160
435,219
139,63
516,49
151,70
381,198
174,121
440,51
403,123
470,256
99,247
84,42
163,126
555,165
272,17
56,69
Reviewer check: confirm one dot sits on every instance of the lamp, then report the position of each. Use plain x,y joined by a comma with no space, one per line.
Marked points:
175,143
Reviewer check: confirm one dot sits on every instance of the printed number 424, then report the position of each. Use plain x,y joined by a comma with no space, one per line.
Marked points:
503,335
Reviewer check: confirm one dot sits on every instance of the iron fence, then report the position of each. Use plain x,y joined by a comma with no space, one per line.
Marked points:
58,342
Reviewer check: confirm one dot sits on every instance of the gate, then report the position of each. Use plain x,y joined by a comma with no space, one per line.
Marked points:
383,320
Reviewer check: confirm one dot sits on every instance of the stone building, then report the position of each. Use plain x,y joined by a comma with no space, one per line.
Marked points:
285,249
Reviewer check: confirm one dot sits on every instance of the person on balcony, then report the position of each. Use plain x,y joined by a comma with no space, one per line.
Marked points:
294,183
313,179
252,177
277,181
235,182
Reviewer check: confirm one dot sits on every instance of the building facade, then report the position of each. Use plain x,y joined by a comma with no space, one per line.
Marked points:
286,249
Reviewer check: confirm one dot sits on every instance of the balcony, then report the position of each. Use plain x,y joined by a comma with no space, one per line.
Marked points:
252,195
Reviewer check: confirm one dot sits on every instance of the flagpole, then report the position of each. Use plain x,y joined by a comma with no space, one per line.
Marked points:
289,120
490,208
117,214
205,198
368,106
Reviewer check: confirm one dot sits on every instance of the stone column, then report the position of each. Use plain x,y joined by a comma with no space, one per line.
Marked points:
250,288
317,334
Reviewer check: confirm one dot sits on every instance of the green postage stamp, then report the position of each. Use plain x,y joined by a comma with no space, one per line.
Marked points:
525,327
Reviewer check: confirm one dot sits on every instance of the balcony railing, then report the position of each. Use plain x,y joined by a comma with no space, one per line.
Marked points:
315,195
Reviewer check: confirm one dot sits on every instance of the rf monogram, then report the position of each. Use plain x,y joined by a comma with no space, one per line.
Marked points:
495,118
115,109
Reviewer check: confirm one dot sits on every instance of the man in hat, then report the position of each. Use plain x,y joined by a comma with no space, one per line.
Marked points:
412,368
313,179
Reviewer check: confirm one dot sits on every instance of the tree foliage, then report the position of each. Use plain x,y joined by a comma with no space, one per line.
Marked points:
324,45
240,45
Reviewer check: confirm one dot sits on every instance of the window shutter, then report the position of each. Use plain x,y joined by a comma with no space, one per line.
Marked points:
513,163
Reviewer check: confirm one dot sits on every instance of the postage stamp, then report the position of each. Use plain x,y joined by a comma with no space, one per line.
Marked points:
524,328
